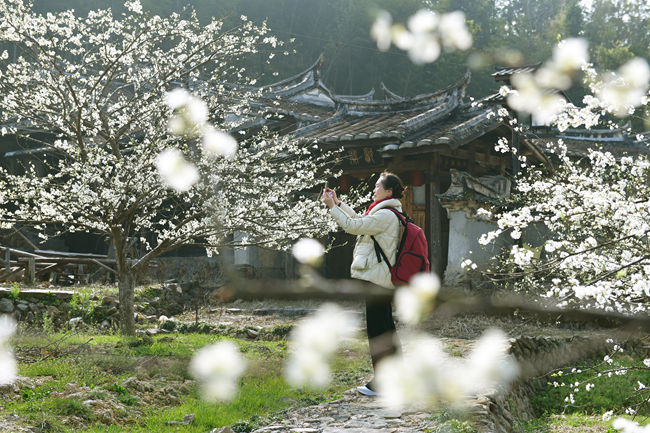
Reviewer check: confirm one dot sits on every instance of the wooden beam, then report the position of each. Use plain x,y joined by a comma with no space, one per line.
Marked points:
30,271
21,253
101,265
5,276
25,238
464,154
49,269
69,254
408,165
471,157
433,225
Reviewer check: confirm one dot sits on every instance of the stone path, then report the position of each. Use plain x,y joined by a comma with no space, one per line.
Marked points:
353,413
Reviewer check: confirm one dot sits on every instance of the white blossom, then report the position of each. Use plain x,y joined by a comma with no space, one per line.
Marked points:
314,343
218,368
175,171
412,302
219,143
454,31
627,426
424,35
426,375
381,30
308,251
8,367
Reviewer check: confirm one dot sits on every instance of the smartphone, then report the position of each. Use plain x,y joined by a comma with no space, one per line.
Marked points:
324,189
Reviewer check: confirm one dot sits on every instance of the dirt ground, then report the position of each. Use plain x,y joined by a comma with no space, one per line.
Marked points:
458,332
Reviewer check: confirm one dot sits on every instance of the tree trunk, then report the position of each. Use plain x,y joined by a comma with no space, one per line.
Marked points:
126,285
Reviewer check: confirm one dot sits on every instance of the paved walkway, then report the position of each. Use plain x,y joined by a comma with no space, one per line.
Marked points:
353,413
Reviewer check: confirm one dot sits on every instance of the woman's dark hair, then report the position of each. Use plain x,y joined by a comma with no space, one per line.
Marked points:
392,181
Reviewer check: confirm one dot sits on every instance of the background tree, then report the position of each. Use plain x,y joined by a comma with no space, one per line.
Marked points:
99,84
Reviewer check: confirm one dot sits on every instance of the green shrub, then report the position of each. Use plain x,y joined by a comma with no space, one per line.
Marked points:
608,393
14,293
454,426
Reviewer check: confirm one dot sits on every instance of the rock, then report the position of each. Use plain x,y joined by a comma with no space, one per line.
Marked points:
225,429
106,324
287,399
111,311
155,301
22,307
251,333
6,306
52,311
108,300
187,420
71,387
152,331
30,317
106,417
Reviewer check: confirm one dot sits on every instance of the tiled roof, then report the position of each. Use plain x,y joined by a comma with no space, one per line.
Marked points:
396,118
505,73
300,111
457,129
580,146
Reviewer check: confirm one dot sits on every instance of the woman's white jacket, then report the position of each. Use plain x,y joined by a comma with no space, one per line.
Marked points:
381,223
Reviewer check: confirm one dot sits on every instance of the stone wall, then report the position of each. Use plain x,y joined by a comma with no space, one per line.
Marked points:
501,411
206,271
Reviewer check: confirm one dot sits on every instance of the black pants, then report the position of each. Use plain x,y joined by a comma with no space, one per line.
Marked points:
382,336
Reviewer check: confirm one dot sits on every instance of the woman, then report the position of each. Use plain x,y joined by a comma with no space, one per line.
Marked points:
384,226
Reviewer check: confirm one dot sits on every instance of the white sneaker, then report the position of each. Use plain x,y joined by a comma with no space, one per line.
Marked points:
366,391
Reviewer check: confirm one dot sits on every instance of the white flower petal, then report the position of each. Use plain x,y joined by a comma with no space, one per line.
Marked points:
176,172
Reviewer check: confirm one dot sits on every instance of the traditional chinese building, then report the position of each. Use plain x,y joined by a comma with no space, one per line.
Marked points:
442,145
424,139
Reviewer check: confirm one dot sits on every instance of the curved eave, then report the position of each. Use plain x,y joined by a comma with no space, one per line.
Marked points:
313,71
410,104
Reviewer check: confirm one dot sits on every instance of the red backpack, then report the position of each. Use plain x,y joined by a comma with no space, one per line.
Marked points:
412,254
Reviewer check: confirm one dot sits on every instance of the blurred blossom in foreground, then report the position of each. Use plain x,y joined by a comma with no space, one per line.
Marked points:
314,343
176,172
218,368
427,32
428,375
381,30
8,368
489,362
627,426
620,93
412,302
537,93
219,143
542,103
454,32
308,251
189,112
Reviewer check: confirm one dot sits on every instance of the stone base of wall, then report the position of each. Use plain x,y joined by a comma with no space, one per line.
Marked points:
206,271
502,411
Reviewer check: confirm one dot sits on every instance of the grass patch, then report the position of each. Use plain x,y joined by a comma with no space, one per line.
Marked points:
566,393
573,423
263,394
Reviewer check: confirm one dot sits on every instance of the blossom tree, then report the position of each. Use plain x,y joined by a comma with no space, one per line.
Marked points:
593,212
136,161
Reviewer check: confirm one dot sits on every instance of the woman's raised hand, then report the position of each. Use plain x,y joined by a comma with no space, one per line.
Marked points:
333,193
328,199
